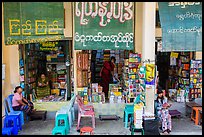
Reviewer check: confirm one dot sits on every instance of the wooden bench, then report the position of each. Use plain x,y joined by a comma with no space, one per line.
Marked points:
189,106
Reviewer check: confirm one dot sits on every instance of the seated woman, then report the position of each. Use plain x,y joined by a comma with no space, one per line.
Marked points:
19,103
163,112
43,88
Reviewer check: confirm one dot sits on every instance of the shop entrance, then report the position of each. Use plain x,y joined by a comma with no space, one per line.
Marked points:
180,75
126,83
51,59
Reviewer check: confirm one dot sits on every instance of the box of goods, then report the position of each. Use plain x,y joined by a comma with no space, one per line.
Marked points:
62,85
178,99
55,91
138,112
126,61
62,92
138,123
182,99
111,99
119,99
95,97
55,85
79,78
94,87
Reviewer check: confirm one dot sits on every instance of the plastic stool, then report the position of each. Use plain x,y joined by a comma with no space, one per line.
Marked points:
197,114
128,111
86,130
127,107
7,130
57,130
16,123
65,123
133,128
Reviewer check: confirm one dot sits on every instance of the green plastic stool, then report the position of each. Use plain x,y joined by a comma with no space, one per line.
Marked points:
133,130
128,111
59,130
62,121
132,127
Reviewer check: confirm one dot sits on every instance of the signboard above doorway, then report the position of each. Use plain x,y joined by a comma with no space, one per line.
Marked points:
181,24
103,25
33,22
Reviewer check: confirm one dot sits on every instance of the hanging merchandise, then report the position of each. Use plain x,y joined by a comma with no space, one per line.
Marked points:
183,77
150,74
172,61
134,88
195,79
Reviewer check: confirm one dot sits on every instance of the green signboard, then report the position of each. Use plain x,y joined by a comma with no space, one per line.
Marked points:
181,24
33,22
103,25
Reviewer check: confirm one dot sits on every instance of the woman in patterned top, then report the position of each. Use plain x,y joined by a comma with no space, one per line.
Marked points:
163,112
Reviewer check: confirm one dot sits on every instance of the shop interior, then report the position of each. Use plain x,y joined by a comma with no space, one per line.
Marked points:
47,58
180,75
127,70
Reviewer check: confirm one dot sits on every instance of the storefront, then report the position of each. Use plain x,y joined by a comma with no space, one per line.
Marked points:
42,48
177,50
96,40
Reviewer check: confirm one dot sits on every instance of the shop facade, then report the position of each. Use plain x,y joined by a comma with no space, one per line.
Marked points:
145,33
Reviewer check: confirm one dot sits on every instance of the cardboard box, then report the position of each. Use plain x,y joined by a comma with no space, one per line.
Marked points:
55,91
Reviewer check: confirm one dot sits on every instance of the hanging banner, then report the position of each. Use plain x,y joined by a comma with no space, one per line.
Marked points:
103,25
181,24
33,22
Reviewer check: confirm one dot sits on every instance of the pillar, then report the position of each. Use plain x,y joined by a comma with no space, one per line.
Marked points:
148,46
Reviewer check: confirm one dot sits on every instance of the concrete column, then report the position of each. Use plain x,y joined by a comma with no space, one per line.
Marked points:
138,26
148,46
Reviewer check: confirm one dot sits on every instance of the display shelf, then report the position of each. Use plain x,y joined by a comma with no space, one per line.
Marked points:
195,79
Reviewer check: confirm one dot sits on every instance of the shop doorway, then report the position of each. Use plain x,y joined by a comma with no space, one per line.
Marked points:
51,59
177,76
120,90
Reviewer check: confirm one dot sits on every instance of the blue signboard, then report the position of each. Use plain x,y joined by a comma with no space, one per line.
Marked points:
181,24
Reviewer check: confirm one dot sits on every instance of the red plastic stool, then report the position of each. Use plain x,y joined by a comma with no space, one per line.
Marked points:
86,130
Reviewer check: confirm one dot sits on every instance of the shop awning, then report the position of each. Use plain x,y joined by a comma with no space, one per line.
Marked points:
103,25
33,22
181,24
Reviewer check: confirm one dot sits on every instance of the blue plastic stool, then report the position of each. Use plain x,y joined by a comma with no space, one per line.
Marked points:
13,121
127,107
59,130
62,121
7,130
128,111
